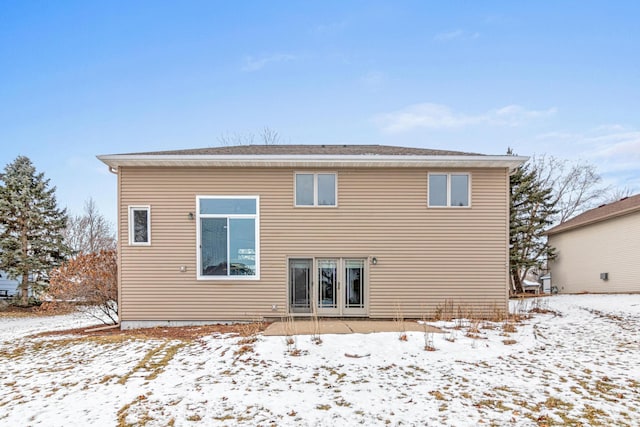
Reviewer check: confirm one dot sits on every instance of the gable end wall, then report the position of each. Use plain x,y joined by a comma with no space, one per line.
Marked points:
611,246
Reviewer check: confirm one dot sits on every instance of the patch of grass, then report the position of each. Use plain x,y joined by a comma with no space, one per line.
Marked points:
509,342
14,353
593,415
604,385
226,417
158,367
428,342
398,320
497,314
146,364
509,327
107,378
474,327
342,403
124,411
324,407
493,404
553,403
246,348
437,395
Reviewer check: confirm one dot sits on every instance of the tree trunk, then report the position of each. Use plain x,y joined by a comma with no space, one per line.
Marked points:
517,282
24,290
24,286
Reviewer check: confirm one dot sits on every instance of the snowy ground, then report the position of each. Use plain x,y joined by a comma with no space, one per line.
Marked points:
581,367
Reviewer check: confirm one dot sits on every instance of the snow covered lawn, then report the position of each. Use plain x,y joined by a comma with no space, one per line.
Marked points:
581,367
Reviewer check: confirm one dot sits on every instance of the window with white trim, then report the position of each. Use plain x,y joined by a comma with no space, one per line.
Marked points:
228,237
140,225
316,189
449,190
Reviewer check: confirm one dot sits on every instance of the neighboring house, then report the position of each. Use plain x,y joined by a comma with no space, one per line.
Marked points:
8,287
264,231
598,250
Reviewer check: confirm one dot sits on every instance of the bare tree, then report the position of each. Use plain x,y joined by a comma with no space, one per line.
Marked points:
266,136
617,194
89,232
270,136
577,186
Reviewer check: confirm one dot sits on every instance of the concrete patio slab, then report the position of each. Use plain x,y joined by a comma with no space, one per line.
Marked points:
306,327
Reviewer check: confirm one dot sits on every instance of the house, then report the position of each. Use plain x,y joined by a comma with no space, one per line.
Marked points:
265,231
598,250
8,287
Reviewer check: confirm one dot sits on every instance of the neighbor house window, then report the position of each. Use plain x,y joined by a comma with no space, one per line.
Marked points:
139,225
228,233
315,189
449,190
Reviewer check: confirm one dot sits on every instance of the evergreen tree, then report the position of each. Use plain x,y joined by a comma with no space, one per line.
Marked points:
531,214
31,239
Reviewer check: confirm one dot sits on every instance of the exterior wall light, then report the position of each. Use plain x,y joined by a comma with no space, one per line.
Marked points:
374,260
190,216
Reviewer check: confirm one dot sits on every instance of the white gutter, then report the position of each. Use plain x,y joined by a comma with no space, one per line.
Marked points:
369,160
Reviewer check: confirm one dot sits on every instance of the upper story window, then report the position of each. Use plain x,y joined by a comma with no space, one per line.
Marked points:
316,189
228,233
449,190
140,225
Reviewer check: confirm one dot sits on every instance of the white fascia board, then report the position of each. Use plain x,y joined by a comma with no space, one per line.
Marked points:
118,160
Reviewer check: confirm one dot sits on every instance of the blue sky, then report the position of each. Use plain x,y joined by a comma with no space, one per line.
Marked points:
80,79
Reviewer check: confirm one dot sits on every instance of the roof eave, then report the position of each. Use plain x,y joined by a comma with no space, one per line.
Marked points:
552,232
119,160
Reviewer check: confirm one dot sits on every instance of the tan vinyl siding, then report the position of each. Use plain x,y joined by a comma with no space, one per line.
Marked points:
611,246
425,255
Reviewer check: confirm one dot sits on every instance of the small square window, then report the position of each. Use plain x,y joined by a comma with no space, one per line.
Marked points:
315,189
449,190
139,225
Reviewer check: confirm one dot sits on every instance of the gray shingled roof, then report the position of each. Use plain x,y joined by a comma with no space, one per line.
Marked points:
385,150
601,213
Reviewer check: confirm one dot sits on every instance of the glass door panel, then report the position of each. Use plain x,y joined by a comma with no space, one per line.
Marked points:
213,246
300,285
354,289
354,273
328,286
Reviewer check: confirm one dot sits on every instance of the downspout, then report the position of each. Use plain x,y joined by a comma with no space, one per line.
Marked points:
119,245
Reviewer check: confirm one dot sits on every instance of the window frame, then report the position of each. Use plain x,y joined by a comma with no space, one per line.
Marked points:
315,189
147,209
199,216
448,190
